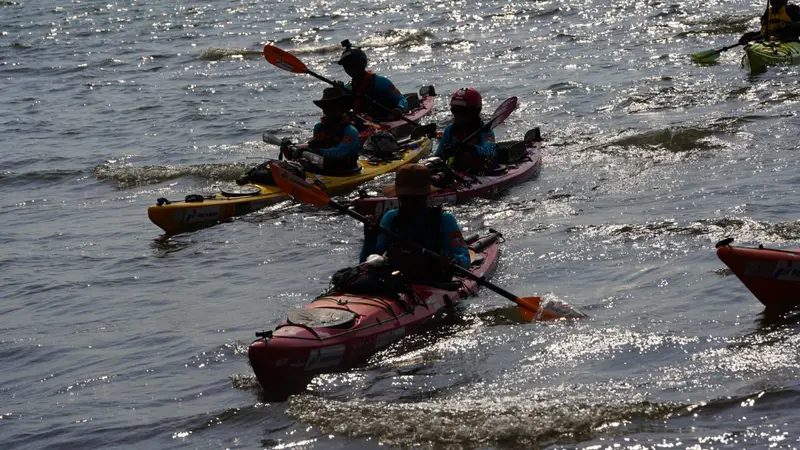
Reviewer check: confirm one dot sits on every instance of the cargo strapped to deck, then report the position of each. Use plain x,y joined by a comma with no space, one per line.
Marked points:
321,317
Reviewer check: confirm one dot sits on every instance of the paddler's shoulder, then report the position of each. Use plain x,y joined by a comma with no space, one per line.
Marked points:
388,218
380,79
350,129
448,222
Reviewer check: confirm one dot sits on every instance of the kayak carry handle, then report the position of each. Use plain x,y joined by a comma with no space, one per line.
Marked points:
724,243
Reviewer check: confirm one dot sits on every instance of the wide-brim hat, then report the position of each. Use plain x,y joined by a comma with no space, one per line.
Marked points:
411,179
333,95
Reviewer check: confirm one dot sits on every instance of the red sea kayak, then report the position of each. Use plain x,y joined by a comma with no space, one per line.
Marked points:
419,106
339,330
773,276
520,161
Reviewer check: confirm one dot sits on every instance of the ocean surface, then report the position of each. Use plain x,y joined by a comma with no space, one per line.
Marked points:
115,336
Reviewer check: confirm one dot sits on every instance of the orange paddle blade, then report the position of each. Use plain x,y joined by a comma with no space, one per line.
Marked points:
528,307
283,59
532,308
297,187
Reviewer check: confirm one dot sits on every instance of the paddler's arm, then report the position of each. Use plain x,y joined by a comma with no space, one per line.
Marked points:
377,243
347,146
445,141
453,240
793,29
486,146
348,87
793,11
382,84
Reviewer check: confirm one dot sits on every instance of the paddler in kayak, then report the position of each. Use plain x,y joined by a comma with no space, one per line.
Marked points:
781,20
333,150
479,154
430,227
365,83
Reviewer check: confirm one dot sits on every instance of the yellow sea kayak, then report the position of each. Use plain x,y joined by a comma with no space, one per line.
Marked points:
200,211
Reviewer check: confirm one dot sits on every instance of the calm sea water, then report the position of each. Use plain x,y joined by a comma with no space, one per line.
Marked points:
113,336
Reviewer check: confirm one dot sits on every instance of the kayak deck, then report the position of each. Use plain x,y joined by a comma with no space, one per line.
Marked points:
205,210
489,185
340,330
773,276
759,55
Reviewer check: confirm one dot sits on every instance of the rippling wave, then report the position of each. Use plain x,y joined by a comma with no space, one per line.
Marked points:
216,54
139,175
113,335
509,421
745,230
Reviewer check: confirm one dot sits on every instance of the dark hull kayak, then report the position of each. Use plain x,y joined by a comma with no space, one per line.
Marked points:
773,276
338,331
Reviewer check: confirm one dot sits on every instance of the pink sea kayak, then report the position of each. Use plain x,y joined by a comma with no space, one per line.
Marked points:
340,330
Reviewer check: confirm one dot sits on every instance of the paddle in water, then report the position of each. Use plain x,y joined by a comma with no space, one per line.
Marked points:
532,308
710,56
290,63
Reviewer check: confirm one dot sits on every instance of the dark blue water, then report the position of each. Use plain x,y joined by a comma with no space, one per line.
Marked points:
112,336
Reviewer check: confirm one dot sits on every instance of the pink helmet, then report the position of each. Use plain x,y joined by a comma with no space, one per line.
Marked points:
466,97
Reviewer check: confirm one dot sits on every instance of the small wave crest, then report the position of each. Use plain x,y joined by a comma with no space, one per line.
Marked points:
746,230
216,54
720,25
681,139
471,423
8,178
396,38
139,175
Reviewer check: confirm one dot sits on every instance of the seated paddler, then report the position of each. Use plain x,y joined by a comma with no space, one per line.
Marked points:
376,96
780,21
333,149
476,155
414,220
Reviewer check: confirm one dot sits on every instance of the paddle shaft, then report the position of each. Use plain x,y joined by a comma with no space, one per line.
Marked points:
496,120
403,118
280,152
725,49
486,127
702,55
287,61
458,269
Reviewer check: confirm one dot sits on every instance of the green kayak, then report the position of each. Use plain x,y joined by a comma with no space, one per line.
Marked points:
759,55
